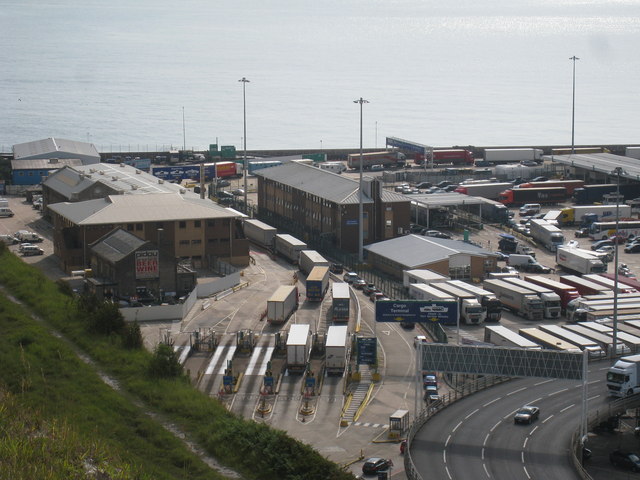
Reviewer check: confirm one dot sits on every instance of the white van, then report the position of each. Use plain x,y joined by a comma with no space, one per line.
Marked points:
335,167
6,212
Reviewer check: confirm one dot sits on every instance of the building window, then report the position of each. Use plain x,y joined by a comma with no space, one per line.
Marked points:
182,224
213,240
129,227
138,227
196,242
211,223
184,242
197,223
159,224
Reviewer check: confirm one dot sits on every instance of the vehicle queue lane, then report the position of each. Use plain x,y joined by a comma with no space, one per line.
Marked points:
477,434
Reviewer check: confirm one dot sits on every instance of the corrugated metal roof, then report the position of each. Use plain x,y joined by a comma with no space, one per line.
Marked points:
141,208
322,183
125,178
600,162
44,163
59,146
445,199
412,251
116,245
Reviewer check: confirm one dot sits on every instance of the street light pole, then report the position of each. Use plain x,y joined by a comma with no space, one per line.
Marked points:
617,171
573,106
244,138
361,101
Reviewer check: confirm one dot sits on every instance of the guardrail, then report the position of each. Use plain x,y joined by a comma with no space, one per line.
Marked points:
465,390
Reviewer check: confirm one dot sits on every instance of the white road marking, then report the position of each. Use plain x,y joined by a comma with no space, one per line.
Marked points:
559,391
485,470
547,419
214,360
485,441
533,430
522,456
526,472
229,356
591,398
590,383
444,457
524,444
265,361
253,360
446,444
448,474
456,427
476,410
536,400
495,426
567,408
516,391
492,401
543,382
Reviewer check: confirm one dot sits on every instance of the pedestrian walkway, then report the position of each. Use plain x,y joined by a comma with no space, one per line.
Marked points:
359,394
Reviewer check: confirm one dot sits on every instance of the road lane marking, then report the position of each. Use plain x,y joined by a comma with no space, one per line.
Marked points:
533,430
214,360
257,351
485,470
590,383
526,472
476,410
591,398
456,427
524,444
516,391
522,456
495,426
543,382
265,361
567,408
444,457
492,401
485,441
559,391
225,362
446,444
547,419
448,474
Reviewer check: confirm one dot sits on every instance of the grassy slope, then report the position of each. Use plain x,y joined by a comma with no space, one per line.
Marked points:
64,388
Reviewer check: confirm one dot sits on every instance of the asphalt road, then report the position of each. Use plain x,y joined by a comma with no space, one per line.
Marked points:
476,437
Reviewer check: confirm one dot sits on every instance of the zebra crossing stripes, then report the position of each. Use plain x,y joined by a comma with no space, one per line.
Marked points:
223,367
255,357
214,360
371,425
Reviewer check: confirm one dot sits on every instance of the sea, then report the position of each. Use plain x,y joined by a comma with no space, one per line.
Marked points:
142,75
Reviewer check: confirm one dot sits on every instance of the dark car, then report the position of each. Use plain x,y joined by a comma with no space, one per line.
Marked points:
443,183
540,179
376,464
528,163
600,244
436,234
369,288
628,460
633,248
336,268
582,232
423,185
526,414
450,188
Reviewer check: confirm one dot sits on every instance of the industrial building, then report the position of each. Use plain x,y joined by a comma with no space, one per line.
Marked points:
453,258
318,205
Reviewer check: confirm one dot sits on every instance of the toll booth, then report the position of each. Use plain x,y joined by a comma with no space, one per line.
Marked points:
398,423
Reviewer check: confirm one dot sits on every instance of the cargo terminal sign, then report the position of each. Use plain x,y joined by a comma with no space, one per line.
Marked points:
416,311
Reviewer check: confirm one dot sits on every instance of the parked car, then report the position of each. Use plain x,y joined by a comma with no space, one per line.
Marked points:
336,268
9,239
375,296
377,168
369,288
528,163
32,250
450,188
633,248
628,460
527,414
601,243
582,232
238,191
423,185
437,234
609,250
620,239
375,465
443,183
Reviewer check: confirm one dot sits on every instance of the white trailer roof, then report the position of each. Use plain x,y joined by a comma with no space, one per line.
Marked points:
337,336
298,334
282,293
340,290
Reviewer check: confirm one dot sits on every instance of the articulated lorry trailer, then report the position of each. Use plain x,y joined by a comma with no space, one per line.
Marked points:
484,190
593,193
317,283
550,299
341,300
486,298
519,300
259,232
585,215
579,261
594,350
309,259
298,348
282,304
289,246
584,286
503,337
519,196
549,236
469,309
570,185
336,349
385,158
509,155
566,293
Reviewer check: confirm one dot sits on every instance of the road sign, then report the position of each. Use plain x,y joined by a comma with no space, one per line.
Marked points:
367,350
416,311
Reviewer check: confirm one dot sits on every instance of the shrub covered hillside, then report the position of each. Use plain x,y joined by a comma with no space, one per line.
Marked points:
58,416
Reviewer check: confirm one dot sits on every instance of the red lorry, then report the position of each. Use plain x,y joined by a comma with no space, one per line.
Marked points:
564,291
453,156
570,185
227,169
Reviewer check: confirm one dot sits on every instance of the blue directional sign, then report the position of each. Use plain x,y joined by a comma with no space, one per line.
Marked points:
310,382
367,350
227,380
416,311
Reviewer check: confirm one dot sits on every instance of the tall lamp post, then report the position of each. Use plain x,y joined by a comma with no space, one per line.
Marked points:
573,106
617,172
244,138
361,101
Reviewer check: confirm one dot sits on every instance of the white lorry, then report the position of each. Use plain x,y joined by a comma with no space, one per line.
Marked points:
520,300
298,348
503,337
309,259
469,309
549,236
623,378
259,232
336,349
579,261
282,304
335,167
486,298
289,246
423,291
506,155
421,276
526,263
551,300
